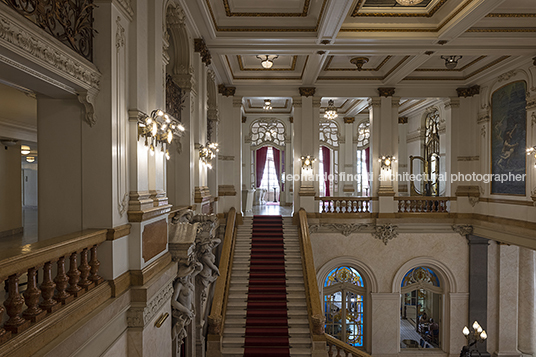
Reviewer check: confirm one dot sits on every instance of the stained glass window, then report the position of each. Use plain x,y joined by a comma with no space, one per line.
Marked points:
343,305
421,275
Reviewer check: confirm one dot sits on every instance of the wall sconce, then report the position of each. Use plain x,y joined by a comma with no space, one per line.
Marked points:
207,153
386,162
451,61
477,335
159,128
307,162
532,151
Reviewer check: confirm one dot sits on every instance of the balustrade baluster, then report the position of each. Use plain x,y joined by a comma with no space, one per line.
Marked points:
31,296
47,290
330,351
14,304
337,206
355,207
407,205
400,206
84,268
61,281
344,206
4,335
339,351
74,277
367,206
94,263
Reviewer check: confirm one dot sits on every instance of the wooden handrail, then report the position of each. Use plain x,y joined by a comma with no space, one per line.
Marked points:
314,307
339,345
221,290
20,259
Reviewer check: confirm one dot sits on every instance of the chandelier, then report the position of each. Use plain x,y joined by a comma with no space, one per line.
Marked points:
331,111
267,61
409,2
267,104
451,61
207,153
159,128
476,335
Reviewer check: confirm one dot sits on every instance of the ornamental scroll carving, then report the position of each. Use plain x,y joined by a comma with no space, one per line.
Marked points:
463,229
385,232
69,21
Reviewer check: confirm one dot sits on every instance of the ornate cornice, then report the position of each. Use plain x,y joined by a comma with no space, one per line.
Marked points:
468,92
139,316
385,232
344,228
31,44
307,91
201,47
386,91
226,91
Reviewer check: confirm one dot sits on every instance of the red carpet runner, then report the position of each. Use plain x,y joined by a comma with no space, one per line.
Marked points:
266,317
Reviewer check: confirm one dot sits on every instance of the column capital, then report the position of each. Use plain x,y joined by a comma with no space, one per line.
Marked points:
402,120
226,91
307,91
201,47
386,91
348,120
468,91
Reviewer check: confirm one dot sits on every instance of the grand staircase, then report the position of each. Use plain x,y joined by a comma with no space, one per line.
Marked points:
266,309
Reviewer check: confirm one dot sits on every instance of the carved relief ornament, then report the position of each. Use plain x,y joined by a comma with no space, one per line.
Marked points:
385,232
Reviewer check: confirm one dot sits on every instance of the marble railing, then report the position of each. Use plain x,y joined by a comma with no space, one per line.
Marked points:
423,204
46,296
216,318
337,348
344,204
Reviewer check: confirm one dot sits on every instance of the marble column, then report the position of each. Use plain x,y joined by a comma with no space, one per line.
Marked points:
307,189
527,301
478,284
507,338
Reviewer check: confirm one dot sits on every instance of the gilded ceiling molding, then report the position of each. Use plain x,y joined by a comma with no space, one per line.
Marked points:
451,70
36,46
489,65
303,13
463,229
242,68
386,91
385,232
468,92
495,29
307,91
267,78
511,15
249,29
201,47
431,13
226,91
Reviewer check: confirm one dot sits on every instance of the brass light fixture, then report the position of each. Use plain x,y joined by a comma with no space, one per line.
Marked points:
159,128
267,61
409,2
207,153
267,104
532,151
331,111
359,62
476,335
30,159
24,149
387,162
451,61
307,162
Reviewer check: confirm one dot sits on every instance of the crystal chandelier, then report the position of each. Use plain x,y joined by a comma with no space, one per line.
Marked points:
267,104
409,2
159,128
331,111
267,61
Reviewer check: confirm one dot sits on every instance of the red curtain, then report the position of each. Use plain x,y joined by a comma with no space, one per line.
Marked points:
327,167
277,163
260,162
367,168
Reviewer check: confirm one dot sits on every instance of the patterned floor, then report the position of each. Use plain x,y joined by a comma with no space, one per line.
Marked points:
270,210
408,333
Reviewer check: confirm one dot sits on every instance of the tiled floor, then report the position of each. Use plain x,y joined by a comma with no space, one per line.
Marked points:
29,222
285,211
407,332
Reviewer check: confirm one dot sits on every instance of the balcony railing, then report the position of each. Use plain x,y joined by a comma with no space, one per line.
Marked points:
337,348
51,294
423,204
344,204
71,22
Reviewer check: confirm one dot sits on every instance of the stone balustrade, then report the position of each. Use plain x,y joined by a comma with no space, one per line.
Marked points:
344,204
45,296
423,204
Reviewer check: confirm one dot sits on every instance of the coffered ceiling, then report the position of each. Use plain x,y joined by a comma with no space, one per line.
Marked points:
402,45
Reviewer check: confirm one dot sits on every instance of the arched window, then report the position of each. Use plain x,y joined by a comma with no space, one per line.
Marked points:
363,158
268,131
431,152
421,309
328,157
343,305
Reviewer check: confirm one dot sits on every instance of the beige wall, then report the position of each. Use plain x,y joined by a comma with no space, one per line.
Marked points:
10,188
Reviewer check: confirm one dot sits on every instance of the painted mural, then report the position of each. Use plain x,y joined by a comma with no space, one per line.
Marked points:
508,139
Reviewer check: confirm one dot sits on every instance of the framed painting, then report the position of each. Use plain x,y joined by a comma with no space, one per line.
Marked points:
508,138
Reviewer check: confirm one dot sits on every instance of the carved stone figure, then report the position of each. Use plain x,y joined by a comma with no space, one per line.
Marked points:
182,300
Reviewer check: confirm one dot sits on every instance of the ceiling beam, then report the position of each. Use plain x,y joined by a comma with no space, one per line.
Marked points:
407,68
314,66
332,21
